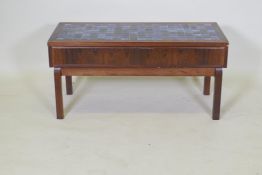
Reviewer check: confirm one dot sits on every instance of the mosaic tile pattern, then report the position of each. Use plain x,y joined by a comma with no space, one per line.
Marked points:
137,31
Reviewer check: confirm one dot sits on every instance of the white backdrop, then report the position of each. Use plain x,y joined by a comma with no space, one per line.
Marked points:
116,126
26,25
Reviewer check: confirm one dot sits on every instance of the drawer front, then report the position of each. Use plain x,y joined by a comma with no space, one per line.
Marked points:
139,56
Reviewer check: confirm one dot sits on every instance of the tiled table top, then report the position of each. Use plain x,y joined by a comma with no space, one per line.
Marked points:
138,32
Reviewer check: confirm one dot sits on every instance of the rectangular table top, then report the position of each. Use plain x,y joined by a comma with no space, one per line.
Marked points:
138,34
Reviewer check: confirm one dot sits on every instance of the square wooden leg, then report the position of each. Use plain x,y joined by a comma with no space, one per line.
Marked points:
58,93
217,93
69,87
206,85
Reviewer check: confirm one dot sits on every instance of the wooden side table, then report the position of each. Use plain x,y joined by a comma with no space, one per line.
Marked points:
138,49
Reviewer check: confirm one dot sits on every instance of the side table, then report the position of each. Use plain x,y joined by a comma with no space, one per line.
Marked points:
138,49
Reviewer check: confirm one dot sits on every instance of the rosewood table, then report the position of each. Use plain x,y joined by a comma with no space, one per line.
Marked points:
138,49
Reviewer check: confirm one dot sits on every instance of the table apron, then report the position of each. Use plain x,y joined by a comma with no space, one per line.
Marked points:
138,56
138,71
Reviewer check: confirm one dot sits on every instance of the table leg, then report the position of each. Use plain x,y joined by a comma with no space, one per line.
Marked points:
69,87
58,93
217,93
206,85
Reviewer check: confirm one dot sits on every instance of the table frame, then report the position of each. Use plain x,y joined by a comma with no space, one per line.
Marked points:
206,72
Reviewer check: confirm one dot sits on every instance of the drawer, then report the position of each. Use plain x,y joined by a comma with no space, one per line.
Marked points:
138,56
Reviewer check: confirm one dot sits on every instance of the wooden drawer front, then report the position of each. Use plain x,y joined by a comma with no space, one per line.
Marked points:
139,56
